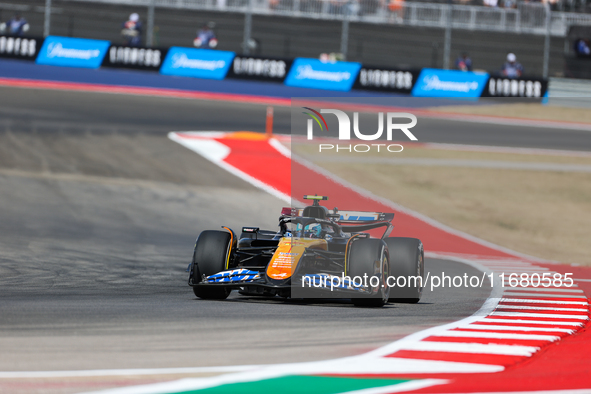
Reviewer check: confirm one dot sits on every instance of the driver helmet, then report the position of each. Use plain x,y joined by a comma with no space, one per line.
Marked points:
313,230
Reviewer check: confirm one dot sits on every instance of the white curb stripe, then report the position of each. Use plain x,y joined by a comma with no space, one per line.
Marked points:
540,315
472,348
542,295
497,335
544,301
541,308
528,322
546,289
486,327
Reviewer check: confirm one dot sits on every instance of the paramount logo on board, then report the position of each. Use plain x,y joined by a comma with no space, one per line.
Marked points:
180,60
307,72
434,83
56,49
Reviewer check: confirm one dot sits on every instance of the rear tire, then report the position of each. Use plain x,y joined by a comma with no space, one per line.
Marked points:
407,259
369,256
210,257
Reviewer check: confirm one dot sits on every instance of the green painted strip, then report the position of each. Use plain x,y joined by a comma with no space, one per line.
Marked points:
299,384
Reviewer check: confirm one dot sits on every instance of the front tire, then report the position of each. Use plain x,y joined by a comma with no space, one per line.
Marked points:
407,259
369,256
212,250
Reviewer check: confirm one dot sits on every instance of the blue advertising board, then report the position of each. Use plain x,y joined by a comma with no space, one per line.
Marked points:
72,52
199,63
313,73
448,83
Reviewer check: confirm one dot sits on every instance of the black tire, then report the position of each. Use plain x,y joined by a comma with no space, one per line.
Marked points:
369,256
210,256
407,259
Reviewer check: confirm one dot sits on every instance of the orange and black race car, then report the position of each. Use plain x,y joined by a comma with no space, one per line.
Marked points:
316,253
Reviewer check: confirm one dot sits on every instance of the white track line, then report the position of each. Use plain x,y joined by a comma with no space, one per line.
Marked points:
573,289
497,335
540,308
544,295
540,315
544,301
472,348
491,327
527,322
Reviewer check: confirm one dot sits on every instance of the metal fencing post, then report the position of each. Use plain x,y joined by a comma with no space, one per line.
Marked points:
547,41
247,28
345,35
47,22
150,29
447,39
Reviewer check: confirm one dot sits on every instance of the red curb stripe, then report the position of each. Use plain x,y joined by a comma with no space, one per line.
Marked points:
261,161
143,91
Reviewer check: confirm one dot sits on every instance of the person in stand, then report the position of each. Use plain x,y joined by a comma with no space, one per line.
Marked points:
17,26
464,63
396,8
583,47
206,37
132,31
512,68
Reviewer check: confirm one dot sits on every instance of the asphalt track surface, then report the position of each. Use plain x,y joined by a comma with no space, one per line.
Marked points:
45,110
98,215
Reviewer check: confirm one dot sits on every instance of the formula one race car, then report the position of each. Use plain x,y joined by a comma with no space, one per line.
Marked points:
315,253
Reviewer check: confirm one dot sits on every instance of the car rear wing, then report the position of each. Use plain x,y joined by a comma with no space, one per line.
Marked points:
354,217
346,217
